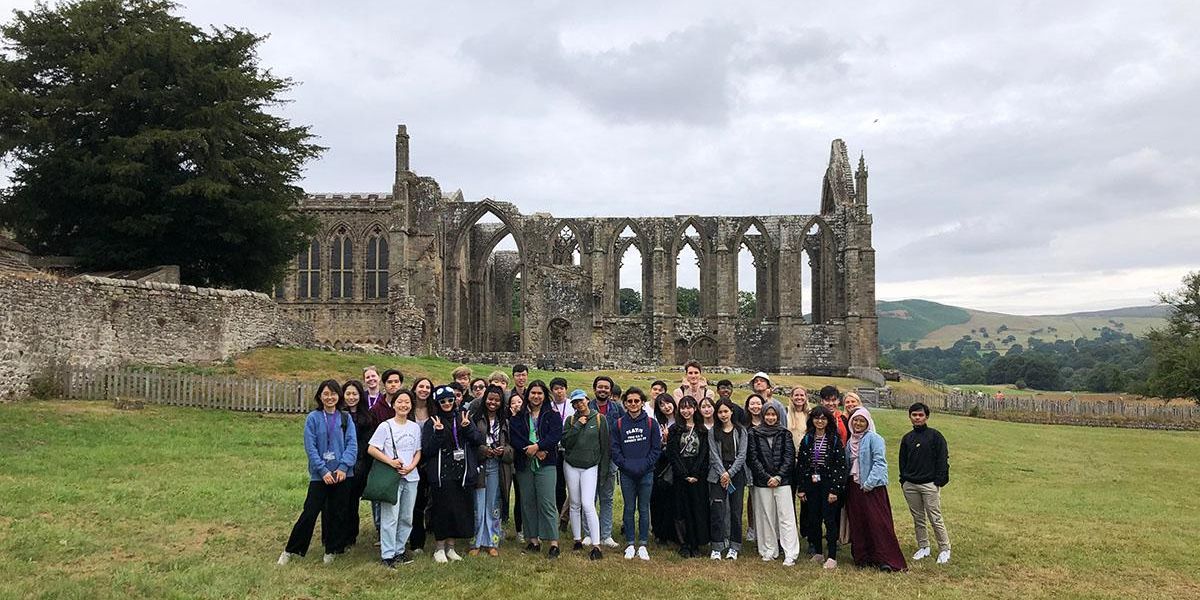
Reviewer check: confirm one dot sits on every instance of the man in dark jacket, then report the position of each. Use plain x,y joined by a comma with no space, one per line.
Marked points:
636,446
924,471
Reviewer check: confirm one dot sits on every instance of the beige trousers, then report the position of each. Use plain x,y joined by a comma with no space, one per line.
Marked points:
925,500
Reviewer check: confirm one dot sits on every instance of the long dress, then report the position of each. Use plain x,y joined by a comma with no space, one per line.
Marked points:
873,540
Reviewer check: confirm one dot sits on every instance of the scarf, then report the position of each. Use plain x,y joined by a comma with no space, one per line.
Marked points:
856,440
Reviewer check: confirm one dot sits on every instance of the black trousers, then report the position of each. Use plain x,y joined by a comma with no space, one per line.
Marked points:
328,501
691,513
820,511
416,539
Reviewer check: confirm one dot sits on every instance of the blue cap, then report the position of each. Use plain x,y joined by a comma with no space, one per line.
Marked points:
578,394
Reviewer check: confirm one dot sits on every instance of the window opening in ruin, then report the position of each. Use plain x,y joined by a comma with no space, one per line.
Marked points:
809,285
308,272
491,301
704,350
376,271
688,295
341,267
566,247
631,292
751,261
560,335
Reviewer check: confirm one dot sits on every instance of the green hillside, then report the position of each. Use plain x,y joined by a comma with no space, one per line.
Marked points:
933,324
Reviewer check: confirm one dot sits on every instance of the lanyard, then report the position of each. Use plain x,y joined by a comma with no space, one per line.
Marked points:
454,429
330,422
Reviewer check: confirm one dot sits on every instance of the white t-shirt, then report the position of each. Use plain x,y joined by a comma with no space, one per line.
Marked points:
407,442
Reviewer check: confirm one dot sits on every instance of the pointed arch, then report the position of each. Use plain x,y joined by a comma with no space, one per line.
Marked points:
470,287
764,260
564,247
617,247
819,248
701,245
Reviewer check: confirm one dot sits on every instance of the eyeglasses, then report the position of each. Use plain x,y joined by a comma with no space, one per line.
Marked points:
478,386
446,401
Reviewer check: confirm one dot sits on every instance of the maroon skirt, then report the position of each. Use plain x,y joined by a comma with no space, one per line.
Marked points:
873,540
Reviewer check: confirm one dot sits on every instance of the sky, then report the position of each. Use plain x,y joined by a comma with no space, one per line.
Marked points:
1024,157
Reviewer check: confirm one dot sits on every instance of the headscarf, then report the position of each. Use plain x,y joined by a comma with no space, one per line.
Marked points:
856,439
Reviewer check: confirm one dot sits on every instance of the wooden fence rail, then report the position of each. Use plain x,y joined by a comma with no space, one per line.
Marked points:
185,389
964,402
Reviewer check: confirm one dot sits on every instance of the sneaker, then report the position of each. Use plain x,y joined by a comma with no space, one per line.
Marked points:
789,562
595,554
285,557
532,548
440,557
553,553
830,564
452,555
768,558
520,538
405,558
629,552
577,547
642,553
716,555
818,558
587,540
418,551
751,536
377,543
611,543
731,555
328,559
389,563
921,553
943,557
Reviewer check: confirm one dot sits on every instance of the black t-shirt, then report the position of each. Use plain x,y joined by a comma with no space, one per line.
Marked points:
728,446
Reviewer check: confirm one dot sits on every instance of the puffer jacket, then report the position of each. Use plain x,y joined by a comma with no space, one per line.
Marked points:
832,468
771,454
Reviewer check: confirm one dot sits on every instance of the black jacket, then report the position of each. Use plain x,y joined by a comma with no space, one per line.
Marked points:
771,454
924,457
833,468
437,452
681,467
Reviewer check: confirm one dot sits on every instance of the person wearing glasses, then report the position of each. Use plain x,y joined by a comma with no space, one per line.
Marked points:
449,441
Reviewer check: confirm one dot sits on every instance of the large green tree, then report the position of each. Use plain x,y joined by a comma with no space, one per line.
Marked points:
138,139
1175,349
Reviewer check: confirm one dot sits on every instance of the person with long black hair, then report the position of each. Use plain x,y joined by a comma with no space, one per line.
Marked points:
448,444
662,495
535,433
687,453
331,445
354,398
495,456
727,446
821,480
422,391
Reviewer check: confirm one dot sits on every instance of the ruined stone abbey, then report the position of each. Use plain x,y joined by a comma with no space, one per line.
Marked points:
416,271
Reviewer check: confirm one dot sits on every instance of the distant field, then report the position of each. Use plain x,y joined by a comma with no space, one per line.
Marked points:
1011,391
172,502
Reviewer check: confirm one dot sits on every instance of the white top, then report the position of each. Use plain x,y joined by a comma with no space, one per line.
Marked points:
407,442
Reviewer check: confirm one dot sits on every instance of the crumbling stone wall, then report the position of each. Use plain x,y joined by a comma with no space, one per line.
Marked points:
94,321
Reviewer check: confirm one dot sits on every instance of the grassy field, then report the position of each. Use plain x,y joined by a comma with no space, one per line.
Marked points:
185,503
1011,391
316,365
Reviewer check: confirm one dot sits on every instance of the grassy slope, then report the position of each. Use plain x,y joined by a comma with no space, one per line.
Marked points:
172,502
934,324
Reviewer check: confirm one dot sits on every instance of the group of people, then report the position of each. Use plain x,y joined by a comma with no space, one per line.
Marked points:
443,458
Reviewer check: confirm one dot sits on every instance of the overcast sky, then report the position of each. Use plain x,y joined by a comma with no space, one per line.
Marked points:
1024,157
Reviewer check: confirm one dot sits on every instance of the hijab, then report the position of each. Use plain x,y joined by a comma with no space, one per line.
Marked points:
856,438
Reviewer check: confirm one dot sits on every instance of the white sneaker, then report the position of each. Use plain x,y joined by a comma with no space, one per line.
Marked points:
284,558
611,543
440,557
943,557
830,564
520,539
452,555
921,553
751,536
768,558
789,562
716,555
642,553
328,559
731,555
587,540
629,551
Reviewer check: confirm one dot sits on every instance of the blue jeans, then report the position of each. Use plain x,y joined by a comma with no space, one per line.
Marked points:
396,520
487,507
636,494
604,494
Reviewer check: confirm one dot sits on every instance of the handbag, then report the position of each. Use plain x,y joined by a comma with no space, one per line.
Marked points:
383,482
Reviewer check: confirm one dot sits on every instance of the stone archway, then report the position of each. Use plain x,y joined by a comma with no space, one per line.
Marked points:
704,350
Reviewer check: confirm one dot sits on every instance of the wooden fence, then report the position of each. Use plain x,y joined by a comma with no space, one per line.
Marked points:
966,402
184,389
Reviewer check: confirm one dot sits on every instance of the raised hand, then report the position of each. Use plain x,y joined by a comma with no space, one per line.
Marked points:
437,424
465,421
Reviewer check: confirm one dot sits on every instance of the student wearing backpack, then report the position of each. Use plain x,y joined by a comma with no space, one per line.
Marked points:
636,446
331,446
586,459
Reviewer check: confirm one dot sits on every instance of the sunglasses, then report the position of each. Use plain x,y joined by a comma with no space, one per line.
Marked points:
446,401
478,386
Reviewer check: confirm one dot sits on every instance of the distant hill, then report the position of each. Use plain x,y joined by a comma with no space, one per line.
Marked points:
932,324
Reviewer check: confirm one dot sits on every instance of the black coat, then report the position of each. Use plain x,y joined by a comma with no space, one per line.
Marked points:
833,468
437,451
682,468
771,454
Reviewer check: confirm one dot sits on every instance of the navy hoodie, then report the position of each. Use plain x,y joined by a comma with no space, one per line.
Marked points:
636,444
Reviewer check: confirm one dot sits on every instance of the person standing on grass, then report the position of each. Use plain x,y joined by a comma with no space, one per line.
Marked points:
520,375
872,533
495,455
636,446
797,423
687,453
753,418
772,458
353,396
727,443
381,411
515,402
850,402
830,399
422,391
924,471
372,384
821,478
397,443
462,376
602,404
562,406
725,392
448,443
330,443
662,495
694,384
586,459
535,432
478,387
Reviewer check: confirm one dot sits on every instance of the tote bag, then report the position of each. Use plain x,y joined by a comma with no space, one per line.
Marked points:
383,482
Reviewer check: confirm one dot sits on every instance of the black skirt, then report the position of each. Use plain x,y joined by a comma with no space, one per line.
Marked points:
451,511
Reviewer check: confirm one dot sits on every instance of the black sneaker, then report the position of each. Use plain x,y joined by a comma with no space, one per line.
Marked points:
553,553
577,547
532,548
405,558
389,563
595,554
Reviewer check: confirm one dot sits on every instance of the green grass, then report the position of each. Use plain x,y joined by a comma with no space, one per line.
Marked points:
186,503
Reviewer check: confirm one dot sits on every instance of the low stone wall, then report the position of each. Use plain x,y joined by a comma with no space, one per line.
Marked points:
97,322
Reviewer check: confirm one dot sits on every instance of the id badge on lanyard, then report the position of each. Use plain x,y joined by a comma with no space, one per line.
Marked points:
329,454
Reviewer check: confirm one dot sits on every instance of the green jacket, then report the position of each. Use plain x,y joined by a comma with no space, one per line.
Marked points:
587,445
